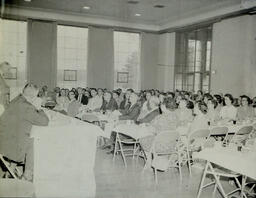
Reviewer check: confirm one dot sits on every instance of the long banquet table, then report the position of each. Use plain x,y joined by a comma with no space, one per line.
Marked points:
229,158
64,157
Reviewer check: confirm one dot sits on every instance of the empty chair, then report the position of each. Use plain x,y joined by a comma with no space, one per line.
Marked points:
195,142
217,174
166,152
14,172
122,140
219,131
242,134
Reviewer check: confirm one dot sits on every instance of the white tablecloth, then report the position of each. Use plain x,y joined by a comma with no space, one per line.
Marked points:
229,158
64,155
232,128
135,131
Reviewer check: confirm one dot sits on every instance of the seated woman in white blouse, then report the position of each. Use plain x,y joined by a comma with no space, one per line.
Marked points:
201,119
228,111
95,102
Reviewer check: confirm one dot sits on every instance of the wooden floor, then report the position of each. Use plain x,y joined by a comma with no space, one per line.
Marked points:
113,180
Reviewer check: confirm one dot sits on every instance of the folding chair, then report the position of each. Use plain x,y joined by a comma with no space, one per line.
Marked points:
217,173
125,140
202,134
165,151
241,135
217,131
15,173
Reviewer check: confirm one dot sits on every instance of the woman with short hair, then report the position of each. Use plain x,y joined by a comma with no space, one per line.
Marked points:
200,120
228,111
245,111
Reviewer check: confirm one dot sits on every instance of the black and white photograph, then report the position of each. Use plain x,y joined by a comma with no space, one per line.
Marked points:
128,98
11,74
70,75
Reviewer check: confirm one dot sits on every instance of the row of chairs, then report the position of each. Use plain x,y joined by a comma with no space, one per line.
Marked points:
172,138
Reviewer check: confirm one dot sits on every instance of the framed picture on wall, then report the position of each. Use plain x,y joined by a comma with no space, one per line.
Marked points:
70,75
11,74
122,77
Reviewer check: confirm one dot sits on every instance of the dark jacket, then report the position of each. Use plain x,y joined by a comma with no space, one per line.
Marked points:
84,99
132,113
111,105
15,126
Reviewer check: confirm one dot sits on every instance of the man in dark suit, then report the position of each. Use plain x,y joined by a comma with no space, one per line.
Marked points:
15,126
133,111
81,98
125,104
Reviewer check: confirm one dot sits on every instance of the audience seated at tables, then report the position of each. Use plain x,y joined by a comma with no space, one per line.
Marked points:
15,126
73,106
245,111
228,111
133,111
153,110
109,103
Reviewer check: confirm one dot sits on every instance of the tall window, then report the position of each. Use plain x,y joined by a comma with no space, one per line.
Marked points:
193,60
13,49
127,61
71,56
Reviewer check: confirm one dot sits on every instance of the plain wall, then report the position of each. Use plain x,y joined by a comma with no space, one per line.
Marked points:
233,56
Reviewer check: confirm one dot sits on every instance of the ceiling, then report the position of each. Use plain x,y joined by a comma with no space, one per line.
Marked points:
121,10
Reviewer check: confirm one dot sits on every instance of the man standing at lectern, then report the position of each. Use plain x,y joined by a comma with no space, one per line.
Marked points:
15,126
